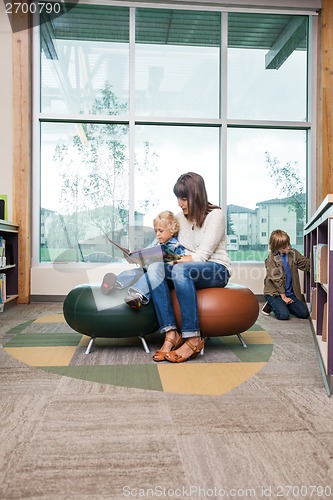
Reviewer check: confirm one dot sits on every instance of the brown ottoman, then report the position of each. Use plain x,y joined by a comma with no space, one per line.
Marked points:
223,311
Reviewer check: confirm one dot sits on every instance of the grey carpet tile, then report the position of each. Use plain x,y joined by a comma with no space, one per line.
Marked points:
239,415
255,460
68,439
309,407
115,443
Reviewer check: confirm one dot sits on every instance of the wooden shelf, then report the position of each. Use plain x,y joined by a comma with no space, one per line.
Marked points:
9,232
9,298
318,233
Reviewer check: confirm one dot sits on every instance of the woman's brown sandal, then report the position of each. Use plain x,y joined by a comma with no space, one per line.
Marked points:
174,357
160,355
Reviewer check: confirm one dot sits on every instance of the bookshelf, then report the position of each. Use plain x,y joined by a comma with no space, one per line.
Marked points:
9,268
318,283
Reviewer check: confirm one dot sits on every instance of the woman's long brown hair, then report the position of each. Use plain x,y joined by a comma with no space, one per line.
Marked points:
192,187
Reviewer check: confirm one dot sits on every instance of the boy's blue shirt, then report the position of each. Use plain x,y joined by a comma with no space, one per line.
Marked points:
173,244
289,288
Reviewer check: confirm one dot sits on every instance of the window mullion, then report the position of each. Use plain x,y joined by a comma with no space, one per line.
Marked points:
131,138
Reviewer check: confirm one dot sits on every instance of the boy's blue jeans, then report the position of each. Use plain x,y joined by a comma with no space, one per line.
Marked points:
282,311
185,278
136,279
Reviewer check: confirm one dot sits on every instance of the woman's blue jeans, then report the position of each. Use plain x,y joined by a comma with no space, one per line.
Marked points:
185,278
282,311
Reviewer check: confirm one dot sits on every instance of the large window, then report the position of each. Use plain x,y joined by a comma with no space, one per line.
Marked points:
267,67
266,188
130,98
177,61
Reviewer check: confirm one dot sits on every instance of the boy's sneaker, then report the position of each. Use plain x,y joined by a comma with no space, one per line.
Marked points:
108,283
266,309
134,300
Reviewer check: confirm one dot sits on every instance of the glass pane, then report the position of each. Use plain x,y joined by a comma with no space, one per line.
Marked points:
166,153
84,191
267,67
266,189
177,63
84,53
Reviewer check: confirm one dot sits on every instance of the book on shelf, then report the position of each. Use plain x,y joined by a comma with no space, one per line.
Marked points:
3,207
3,292
320,259
2,251
325,324
313,303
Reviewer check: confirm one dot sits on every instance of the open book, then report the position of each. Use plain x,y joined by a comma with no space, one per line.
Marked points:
146,256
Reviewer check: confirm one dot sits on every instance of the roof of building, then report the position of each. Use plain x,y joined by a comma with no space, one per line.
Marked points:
240,210
283,201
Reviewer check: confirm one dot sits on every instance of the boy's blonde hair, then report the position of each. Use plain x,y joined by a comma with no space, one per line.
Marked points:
169,220
278,239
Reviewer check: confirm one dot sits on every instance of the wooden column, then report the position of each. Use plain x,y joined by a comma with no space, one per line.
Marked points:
22,107
325,103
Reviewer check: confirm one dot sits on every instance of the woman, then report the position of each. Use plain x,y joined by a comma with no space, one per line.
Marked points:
205,265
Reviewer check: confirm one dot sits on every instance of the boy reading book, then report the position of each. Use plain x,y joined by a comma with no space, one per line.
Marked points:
153,253
166,228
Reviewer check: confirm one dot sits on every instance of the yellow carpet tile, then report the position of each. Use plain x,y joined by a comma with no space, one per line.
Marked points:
256,337
205,378
84,340
43,356
51,318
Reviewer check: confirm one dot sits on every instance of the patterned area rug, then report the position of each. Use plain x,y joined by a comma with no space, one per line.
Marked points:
48,343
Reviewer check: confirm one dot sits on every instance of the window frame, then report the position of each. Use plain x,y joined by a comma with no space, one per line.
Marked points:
223,122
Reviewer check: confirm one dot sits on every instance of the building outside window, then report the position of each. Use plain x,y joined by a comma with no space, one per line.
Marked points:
132,97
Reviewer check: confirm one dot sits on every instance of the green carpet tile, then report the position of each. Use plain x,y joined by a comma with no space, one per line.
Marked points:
136,376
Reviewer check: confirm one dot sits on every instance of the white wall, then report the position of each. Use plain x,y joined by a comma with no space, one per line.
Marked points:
59,279
6,185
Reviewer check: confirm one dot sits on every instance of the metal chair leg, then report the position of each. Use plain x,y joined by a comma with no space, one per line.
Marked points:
91,341
241,340
144,343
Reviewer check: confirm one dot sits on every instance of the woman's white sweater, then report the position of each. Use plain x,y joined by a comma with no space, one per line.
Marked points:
206,243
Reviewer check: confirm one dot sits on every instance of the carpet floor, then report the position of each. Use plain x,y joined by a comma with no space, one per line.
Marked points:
50,344
70,437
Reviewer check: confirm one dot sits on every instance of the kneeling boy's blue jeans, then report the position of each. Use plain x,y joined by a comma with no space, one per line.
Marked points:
185,278
282,310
